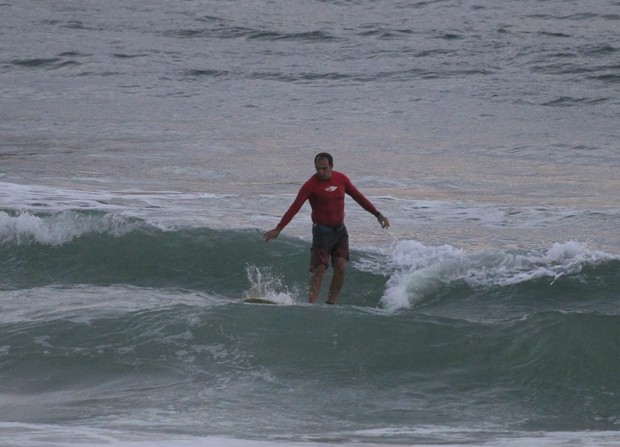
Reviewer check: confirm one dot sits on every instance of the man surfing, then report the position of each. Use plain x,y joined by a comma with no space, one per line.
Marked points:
326,191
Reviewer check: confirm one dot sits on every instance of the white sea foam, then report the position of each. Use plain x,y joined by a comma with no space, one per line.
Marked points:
418,271
59,228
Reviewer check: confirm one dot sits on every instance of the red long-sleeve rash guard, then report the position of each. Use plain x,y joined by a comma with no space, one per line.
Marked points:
327,200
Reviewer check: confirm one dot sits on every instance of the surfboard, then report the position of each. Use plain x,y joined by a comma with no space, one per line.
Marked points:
258,300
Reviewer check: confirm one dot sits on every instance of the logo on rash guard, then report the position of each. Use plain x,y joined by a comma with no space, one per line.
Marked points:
331,188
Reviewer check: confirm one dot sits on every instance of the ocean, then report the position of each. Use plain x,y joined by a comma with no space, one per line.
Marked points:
146,146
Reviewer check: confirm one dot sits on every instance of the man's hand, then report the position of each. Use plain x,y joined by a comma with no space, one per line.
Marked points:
385,223
271,234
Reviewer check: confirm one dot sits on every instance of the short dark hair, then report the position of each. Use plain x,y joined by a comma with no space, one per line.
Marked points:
326,156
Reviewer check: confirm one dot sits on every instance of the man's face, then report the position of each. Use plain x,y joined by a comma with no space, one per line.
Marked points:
323,169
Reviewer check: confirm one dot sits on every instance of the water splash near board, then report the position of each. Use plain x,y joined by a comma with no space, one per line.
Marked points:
265,289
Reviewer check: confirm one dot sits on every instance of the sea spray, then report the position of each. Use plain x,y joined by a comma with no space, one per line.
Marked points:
264,285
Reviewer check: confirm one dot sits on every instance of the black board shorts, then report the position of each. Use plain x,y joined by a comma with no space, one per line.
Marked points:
328,242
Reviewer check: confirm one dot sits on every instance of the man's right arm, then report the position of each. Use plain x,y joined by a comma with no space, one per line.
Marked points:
271,234
302,196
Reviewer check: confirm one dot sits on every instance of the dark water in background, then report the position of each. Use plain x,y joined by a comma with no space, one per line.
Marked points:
144,147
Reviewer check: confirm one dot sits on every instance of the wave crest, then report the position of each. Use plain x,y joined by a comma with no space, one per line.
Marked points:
420,271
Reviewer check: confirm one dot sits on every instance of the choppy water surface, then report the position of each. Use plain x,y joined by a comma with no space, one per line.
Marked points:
145,147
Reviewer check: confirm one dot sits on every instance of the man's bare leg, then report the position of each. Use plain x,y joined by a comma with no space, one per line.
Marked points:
337,280
315,283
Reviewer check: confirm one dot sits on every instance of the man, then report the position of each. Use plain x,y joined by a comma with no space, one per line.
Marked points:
326,190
